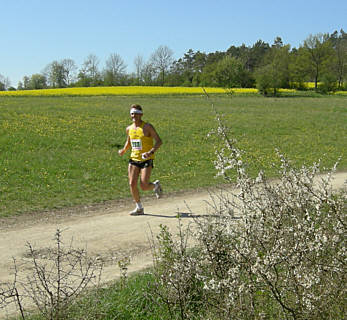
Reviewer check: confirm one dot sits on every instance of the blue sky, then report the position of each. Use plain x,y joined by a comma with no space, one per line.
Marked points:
37,32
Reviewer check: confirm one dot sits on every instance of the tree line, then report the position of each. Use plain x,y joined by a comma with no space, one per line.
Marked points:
321,58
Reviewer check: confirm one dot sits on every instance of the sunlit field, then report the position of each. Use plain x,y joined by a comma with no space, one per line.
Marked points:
62,151
140,90
127,90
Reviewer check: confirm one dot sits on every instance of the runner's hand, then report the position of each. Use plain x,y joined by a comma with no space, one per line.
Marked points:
145,155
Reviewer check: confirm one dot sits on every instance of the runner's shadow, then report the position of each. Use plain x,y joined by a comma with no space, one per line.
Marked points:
186,215
177,215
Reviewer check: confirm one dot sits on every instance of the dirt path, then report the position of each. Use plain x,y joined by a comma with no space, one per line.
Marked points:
107,230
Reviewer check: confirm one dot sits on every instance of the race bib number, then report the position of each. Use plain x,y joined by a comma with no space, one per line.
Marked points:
136,144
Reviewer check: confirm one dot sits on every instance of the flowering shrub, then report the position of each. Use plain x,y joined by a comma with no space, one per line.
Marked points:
268,250
176,283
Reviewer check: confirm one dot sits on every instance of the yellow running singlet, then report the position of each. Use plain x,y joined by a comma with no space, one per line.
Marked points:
139,143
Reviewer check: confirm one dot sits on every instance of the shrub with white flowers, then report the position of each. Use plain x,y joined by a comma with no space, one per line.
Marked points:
268,250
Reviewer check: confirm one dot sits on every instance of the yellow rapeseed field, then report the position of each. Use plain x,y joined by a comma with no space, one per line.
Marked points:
136,90
126,90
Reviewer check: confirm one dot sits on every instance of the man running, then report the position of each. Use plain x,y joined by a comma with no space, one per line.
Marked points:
140,136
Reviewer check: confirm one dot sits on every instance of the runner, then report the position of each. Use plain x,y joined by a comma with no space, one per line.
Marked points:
140,136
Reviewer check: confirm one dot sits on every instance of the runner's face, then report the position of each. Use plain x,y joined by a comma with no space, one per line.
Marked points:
135,116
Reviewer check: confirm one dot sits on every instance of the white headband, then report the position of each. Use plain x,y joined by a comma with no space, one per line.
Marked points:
134,110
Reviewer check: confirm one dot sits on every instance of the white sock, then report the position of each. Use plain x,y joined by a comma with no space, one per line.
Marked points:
139,205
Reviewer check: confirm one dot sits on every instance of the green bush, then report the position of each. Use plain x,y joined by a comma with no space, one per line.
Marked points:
328,84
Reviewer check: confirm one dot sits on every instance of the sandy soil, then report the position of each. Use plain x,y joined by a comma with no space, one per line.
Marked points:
106,230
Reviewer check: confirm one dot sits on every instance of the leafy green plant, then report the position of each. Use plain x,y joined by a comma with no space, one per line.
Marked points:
328,84
176,283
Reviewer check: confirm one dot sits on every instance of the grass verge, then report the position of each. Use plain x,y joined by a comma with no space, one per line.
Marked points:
116,301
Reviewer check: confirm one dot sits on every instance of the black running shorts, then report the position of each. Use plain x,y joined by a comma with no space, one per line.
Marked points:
142,164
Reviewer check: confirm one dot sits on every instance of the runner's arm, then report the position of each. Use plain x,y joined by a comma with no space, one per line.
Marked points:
126,145
158,142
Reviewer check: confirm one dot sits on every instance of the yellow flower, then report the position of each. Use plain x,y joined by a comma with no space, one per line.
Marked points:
134,90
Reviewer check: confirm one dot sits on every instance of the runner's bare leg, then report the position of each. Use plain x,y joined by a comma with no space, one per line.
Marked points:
144,179
133,174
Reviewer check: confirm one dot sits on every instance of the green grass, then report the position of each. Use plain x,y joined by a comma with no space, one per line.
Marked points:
62,151
116,301
120,302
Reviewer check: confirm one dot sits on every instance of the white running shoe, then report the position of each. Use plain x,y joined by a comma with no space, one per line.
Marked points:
158,190
137,212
